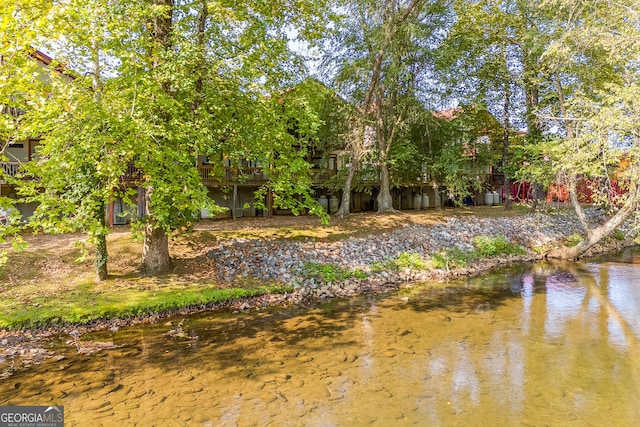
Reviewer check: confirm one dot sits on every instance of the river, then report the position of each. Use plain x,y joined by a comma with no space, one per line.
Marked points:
542,344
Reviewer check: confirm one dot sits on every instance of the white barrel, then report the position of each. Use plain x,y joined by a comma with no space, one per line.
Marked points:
333,204
324,202
496,198
488,198
417,202
425,201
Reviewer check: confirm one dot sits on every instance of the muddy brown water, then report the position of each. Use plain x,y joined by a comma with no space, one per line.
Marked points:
544,344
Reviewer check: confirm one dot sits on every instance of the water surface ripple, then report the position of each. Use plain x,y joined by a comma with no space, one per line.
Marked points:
548,344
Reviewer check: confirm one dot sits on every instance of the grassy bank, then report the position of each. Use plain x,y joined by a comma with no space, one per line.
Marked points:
85,304
52,282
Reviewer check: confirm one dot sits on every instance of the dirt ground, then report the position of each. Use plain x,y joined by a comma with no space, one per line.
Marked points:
357,223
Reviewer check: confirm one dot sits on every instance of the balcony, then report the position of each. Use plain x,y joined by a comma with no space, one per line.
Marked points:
231,175
132,175
10,168
208,173
321,176
252,175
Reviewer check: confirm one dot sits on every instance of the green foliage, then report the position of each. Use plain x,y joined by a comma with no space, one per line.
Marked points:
377,55
619,235
460,148
486,246
377,267
405,260
536,159
410,260
330,273
450,259
10,231
149,85
596,85
406,163
500,47
573,240
311,112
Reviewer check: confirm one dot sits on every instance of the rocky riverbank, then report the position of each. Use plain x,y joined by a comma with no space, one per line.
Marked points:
285,261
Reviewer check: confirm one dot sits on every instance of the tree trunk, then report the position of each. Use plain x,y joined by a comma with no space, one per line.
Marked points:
100,262
508,202
592,238
345,204
155,252
385,201
101,256
391,26
234,202
505,140
539,195
530,62
595,235
437,202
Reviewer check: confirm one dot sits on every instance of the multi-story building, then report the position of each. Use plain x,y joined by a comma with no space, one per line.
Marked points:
17,153
233,186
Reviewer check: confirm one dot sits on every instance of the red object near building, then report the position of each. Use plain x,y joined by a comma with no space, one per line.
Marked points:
521,191
586,189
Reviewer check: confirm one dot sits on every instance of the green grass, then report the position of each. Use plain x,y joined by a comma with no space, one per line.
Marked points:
483,247
85,304
411,260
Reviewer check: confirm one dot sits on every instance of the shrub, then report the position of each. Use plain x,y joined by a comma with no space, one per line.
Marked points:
619,235
409,260
451,258
573,239
377,267
330,273
358,273
486,246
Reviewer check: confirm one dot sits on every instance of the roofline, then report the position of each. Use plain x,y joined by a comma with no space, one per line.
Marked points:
46,60
41,56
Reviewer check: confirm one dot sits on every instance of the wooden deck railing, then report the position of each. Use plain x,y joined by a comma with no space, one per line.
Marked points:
132,174
10,168
233,175
321,176
207,172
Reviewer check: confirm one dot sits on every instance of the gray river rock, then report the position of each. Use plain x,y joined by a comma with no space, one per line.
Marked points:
283,261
